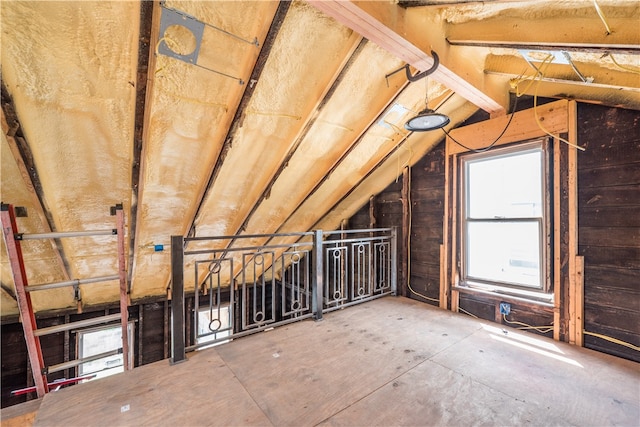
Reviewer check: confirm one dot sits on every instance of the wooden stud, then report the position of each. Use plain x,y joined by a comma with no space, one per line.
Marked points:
572,206
372,212
124,296
556,240
144,88
140,334
444,278
579,305
406,230
443,274
455,295
165,328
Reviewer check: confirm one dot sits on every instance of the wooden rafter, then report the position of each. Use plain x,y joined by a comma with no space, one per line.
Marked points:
24,160
355,17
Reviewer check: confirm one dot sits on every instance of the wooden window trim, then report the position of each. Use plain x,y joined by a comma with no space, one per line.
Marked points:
558,118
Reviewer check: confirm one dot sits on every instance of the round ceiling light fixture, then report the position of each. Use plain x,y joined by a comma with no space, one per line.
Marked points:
427,120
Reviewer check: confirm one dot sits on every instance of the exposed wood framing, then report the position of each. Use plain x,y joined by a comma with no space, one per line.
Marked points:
354,16
398,146
443,281
572,207
579,302
311,119
556,241
445,249
523,127
238,117
24,159
372,212
455,295
559,118
146,56
568,47
165,319
140,335
124,296
406,230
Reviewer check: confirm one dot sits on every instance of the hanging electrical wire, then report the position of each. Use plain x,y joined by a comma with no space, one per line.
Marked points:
602,17
490,146
535,111
637,71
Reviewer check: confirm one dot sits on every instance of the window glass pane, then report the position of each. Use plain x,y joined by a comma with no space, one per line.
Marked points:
100,341
506,252
215,322
508,186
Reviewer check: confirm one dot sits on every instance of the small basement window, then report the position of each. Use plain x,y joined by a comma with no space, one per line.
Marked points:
105,339
503,232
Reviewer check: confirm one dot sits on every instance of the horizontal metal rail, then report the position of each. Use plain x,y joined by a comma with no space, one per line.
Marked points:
360,231
74,282
246,236
363,239
71,363
79,324
59,234
247,248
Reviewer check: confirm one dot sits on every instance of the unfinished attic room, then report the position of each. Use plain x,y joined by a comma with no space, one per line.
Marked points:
321,212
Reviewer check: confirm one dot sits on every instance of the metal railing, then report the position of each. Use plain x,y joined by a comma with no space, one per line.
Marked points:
248,283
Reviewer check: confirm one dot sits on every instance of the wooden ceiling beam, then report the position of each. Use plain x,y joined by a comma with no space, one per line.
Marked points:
143,85
385,35
551,46
579,27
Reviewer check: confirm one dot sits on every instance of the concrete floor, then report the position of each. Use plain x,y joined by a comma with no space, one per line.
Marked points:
392,361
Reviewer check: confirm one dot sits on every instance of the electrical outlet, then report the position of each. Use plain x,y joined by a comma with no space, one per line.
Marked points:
505,308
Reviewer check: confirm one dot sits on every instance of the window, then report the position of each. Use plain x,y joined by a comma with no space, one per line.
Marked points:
503,223
96,341
213,324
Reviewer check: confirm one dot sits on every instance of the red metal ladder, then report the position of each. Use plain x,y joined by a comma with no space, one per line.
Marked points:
32,333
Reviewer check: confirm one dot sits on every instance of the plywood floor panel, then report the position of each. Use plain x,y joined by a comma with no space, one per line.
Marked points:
567,382
197,392
392,361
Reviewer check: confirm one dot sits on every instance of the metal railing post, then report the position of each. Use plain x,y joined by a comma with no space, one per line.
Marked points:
177,300
394,261
317,284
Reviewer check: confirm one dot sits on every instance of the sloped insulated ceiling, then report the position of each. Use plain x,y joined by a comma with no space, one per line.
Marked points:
284,122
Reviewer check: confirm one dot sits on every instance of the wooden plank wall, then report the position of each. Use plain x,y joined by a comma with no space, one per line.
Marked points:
609,225
608,231
427,212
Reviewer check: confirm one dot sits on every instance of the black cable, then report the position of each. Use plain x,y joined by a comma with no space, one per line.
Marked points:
488,147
